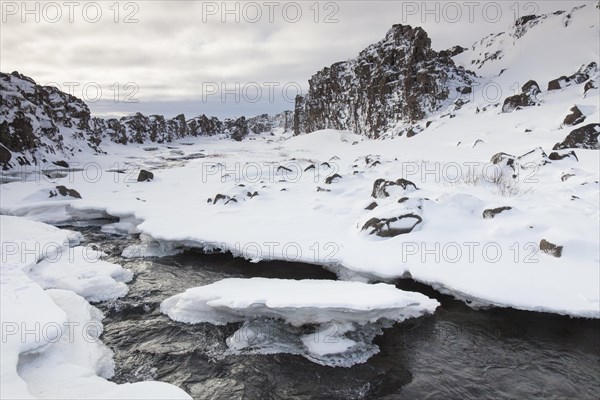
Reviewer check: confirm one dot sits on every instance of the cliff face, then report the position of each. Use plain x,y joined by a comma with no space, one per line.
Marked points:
38,122
399,80
41,124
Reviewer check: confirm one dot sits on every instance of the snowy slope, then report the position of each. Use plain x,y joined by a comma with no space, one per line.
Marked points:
541,48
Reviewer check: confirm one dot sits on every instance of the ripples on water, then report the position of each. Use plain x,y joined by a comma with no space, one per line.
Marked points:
458,353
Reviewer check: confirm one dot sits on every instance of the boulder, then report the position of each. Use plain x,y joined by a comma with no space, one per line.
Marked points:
585,137
380,187
550,248
371,206
61,163
576,117
330,179
582,75
390,227
527,98
64,191
554,156
145,176
492,212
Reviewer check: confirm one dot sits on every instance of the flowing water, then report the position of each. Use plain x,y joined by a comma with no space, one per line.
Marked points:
458,353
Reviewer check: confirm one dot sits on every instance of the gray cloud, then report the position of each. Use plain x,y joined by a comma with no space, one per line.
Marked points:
171,53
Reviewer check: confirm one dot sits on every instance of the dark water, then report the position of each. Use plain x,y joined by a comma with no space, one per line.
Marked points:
458,353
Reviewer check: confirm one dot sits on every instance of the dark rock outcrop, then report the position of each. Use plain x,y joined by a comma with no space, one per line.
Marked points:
576,117
399,79
330,179
554,156
492,212
380,187
550,248
527,98
64,191
371,206
583,74
390,227
40,124
145,176
585,137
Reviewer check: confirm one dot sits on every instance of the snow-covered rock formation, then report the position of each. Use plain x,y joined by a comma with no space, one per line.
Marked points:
42,125
397,81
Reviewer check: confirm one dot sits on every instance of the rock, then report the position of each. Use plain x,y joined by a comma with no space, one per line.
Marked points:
61,163
566,176
402,200
145,176
527,98
589,85
222,197
380,187
550,248
251,195
329,180
582,75
282,168
576,117
5,156
371,206
400,78
64,191
320,189
390,227
492,212
536,156
554,156
312,166
585,137
503,158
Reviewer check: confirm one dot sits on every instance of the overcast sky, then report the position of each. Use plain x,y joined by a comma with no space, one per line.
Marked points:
176,57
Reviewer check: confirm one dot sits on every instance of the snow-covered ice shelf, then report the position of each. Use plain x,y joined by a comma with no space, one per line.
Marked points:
344,316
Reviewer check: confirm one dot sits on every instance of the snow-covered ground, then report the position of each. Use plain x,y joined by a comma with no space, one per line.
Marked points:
461,220
50,347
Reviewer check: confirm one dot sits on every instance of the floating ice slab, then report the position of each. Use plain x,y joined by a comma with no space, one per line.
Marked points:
296,302
328,322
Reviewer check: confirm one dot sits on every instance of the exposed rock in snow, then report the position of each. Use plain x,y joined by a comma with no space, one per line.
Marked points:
492,212
64,191
527,98
550,248
390,227
145,176
583,74
585,137
555,156
381,186
41,124
397,80
574,118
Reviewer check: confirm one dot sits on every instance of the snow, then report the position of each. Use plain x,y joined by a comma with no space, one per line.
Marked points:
296,302
344,316
81,270
50,347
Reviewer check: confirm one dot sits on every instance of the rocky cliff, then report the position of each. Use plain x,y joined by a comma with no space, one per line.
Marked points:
41,124
391,84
